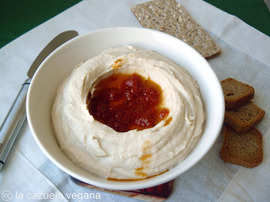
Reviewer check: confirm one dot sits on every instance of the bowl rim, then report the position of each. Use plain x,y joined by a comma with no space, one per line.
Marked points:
128,185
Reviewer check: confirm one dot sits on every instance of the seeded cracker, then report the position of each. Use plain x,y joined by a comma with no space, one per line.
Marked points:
170,17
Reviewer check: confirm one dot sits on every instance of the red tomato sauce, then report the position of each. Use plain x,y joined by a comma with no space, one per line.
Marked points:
127,101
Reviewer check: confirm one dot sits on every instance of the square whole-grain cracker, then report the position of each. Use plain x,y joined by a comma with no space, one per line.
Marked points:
170,17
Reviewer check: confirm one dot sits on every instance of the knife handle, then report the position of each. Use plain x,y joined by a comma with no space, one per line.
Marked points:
13,122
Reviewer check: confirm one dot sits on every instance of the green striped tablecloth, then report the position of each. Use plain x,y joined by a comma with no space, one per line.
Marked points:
20,16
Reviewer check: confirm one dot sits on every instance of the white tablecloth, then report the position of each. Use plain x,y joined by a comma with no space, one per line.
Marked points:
245,56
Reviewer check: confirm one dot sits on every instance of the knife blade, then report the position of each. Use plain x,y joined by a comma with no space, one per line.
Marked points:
16,116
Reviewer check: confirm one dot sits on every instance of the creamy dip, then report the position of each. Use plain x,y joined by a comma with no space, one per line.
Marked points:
135,154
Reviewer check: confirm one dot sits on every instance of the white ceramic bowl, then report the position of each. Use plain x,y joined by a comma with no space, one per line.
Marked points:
61,62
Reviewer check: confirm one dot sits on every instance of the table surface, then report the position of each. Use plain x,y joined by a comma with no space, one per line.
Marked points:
16,17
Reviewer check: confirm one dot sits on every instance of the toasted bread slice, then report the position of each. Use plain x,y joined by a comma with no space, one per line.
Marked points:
242,149
244,118
236,93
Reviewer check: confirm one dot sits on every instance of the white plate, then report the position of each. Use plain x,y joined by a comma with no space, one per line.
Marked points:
62,61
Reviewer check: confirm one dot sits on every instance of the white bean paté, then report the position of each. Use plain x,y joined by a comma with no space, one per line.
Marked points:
135,154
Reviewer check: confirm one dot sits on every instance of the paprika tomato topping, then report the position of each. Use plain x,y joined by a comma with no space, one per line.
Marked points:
127,101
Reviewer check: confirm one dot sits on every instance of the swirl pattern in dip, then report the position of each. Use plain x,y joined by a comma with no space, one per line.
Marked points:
135,154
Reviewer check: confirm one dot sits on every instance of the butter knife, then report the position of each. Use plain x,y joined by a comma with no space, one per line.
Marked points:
16,116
